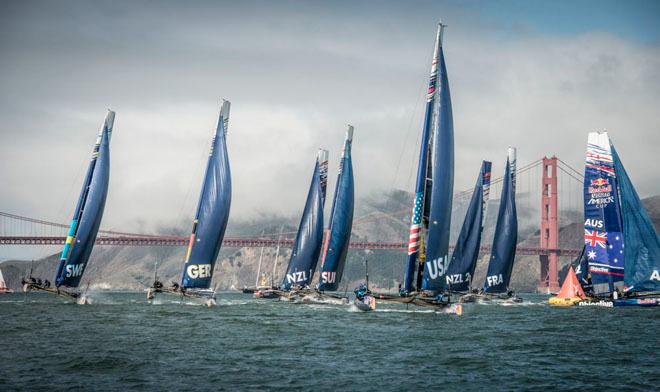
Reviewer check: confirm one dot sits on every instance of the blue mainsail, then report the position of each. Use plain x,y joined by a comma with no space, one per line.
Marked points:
307,246
466,252
212,211
89,211
423,187
503,252
642,245
338,234
603,226
442,178
581,267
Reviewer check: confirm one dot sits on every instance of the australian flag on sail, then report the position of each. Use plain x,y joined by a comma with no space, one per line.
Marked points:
603,236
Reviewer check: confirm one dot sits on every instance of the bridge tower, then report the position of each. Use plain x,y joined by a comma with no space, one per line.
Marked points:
549,228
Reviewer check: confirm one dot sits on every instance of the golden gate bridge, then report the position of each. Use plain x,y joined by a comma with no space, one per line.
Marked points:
22,230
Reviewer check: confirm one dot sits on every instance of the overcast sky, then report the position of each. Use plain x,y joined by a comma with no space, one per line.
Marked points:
537,75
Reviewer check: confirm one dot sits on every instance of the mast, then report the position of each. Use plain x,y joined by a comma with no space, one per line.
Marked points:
261,255
506,233
212,213
338,234
418,223
277,257
309,238
89,211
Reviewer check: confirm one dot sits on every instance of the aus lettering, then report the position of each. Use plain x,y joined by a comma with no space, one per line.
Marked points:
655,275
595,223
74,270
195,271
494,280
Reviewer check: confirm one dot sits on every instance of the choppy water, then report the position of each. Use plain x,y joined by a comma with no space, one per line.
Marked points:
122,343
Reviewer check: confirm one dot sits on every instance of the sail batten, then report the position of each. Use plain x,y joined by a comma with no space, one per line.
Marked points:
212,212
88,212
309,238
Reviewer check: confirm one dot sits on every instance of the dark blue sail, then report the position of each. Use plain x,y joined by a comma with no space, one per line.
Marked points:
442,178
581,267
212,211
642,251
603,225
89,211
466,252
420,211
503,252
338,234
307,246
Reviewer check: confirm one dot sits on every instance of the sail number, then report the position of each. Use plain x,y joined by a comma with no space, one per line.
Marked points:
328,277
74,270
195,271
494,280
436,267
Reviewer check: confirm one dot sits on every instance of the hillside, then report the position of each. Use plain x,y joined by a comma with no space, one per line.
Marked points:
384,217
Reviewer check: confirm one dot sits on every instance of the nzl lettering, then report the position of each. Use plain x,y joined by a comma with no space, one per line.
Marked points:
75,270
458,278
295,277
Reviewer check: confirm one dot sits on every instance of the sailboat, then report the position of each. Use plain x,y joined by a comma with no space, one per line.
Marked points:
428,247
571,292
503,251
621,245
84,225
466,252
209,225
338,234
3,285
309,238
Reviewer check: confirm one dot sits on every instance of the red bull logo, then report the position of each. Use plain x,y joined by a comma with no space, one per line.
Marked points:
600,185
600,181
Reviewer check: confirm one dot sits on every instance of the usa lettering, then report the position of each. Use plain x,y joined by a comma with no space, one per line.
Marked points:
494,280
75,270
195,271
328,277
436,267
296,277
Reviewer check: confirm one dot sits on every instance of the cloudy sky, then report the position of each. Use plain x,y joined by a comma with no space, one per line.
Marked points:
537,75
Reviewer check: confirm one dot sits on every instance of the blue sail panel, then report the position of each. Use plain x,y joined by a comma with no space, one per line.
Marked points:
603,226
503,252
437,238
89,211
307,246
466,252
212,212
338,235
581,267
642,245
420,210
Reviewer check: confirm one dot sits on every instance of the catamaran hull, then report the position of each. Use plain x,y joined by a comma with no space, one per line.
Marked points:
366,305
490,298
74,296
204,297
642,302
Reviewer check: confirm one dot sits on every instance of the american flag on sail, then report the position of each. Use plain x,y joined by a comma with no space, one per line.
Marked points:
416,227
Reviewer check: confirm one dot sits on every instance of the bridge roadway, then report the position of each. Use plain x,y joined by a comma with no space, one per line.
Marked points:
237,242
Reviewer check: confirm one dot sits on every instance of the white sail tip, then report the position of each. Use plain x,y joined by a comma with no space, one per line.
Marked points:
349,133
224,111
323,155
109,119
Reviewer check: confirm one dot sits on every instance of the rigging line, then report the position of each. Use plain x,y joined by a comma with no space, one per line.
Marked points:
570,167
570,175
